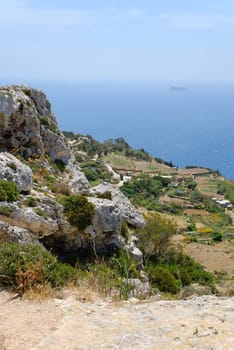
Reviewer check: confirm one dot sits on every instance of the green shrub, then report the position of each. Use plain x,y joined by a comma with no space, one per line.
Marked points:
124,229
105,195
144,190
8,191
187,269
60,188
78,211
3,195
5,210
191,226
31,202
154,239
24,266
103,278
217,236
12,165
161,278
41,213
61,274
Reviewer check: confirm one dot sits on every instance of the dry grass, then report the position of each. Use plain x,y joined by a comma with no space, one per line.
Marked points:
214,257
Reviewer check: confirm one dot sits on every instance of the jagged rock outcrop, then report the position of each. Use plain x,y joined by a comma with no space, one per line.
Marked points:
28,126
128,212
16,234
76,179
108,216
43,219
11,169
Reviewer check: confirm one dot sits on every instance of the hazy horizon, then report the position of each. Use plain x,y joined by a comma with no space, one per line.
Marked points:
94,40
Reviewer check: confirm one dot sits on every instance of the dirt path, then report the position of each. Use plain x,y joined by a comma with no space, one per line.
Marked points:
68,324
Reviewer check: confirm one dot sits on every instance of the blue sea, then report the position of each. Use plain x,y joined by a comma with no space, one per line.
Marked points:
188,127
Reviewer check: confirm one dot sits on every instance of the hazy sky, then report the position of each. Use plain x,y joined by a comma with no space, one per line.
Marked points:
175,40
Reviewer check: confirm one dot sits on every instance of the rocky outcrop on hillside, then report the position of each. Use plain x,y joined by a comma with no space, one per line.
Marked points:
11,169
129,213
29,130
76,179
15,233
28,126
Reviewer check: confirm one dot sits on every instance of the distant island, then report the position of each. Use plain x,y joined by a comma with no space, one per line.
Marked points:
178,88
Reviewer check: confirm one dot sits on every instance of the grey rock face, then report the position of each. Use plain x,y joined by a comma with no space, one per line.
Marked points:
76,179
16,234
28,126
108,216
129,213
12,169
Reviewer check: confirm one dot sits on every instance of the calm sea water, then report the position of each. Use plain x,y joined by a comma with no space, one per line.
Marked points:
192,127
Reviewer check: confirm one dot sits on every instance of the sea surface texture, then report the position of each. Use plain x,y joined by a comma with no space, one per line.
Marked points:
187,124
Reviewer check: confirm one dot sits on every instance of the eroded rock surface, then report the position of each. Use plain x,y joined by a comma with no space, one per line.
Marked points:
28,126
203,323
76,178
129,213
11,169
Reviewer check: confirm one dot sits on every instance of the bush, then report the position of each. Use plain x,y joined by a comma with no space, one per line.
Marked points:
105,195
60,188
8,191
217,236
187,269
175,270
41,213
5,210
31,202
25,266
191,226
162,279
124,229
78,211
154,238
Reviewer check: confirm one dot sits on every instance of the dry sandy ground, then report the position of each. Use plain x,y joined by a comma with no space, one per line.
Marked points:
68,324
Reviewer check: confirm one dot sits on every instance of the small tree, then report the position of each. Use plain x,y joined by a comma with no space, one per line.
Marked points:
78,210
154,238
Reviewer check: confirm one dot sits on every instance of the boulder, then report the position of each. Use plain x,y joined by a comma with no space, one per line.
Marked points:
108,216
16,234
13,169
76,179
28,126
128,212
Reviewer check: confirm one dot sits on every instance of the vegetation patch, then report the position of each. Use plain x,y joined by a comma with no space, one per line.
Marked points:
5,210
41,213
25,266
95,170
78,211
8,191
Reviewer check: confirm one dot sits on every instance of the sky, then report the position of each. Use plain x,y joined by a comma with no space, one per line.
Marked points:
162,40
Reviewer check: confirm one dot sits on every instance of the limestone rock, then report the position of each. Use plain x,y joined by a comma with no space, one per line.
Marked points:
12,169
34,222
76,179
41,220
28,126
138,288
129,213
16,234
108,216
135,252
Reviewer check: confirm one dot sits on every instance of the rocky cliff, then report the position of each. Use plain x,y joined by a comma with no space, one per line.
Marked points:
27,125
28,129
